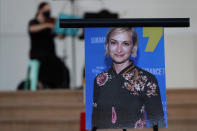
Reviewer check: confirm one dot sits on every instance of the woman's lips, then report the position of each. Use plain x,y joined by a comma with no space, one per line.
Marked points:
119,55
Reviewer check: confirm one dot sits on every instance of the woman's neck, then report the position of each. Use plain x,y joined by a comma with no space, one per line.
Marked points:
119,67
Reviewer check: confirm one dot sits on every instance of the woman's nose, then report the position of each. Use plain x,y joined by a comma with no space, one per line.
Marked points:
119,48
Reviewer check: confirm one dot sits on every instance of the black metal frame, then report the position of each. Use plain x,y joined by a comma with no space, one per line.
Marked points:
155,128
138,22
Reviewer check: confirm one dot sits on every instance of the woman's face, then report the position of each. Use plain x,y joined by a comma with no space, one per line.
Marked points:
120,46
46,8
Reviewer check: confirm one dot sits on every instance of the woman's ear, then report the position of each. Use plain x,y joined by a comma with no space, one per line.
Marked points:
134,51
106,50
106,47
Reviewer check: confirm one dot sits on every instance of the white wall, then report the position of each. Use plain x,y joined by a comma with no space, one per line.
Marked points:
180,43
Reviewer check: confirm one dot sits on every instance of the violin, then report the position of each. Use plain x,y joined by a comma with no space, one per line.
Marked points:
50,21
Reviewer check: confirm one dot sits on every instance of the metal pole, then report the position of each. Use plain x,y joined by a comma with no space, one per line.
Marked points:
74,75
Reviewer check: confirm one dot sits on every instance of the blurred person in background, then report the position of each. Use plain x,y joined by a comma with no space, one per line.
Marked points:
52,73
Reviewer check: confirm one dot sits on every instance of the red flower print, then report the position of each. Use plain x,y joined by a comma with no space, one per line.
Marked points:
152,89
151,93
140,124
127,76
114,117
128,86
152,85
102,79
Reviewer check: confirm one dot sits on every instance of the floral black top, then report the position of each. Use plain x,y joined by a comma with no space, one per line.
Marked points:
130,99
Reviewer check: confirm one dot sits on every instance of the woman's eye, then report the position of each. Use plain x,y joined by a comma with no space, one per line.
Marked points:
112,42
126,43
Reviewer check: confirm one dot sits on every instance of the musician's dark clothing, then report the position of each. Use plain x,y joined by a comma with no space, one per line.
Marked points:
42,42
53,73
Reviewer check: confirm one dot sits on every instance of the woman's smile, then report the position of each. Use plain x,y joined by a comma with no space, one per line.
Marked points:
119,55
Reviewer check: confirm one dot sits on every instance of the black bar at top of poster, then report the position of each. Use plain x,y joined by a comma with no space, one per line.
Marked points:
138,22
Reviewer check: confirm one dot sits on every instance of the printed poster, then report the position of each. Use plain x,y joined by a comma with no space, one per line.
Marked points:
125,78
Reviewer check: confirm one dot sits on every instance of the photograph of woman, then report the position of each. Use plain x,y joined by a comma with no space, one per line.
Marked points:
125,96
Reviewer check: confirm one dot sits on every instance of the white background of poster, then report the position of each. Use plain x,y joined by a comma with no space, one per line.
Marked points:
180,43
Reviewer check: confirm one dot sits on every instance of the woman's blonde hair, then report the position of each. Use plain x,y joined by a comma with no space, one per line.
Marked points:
134,37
